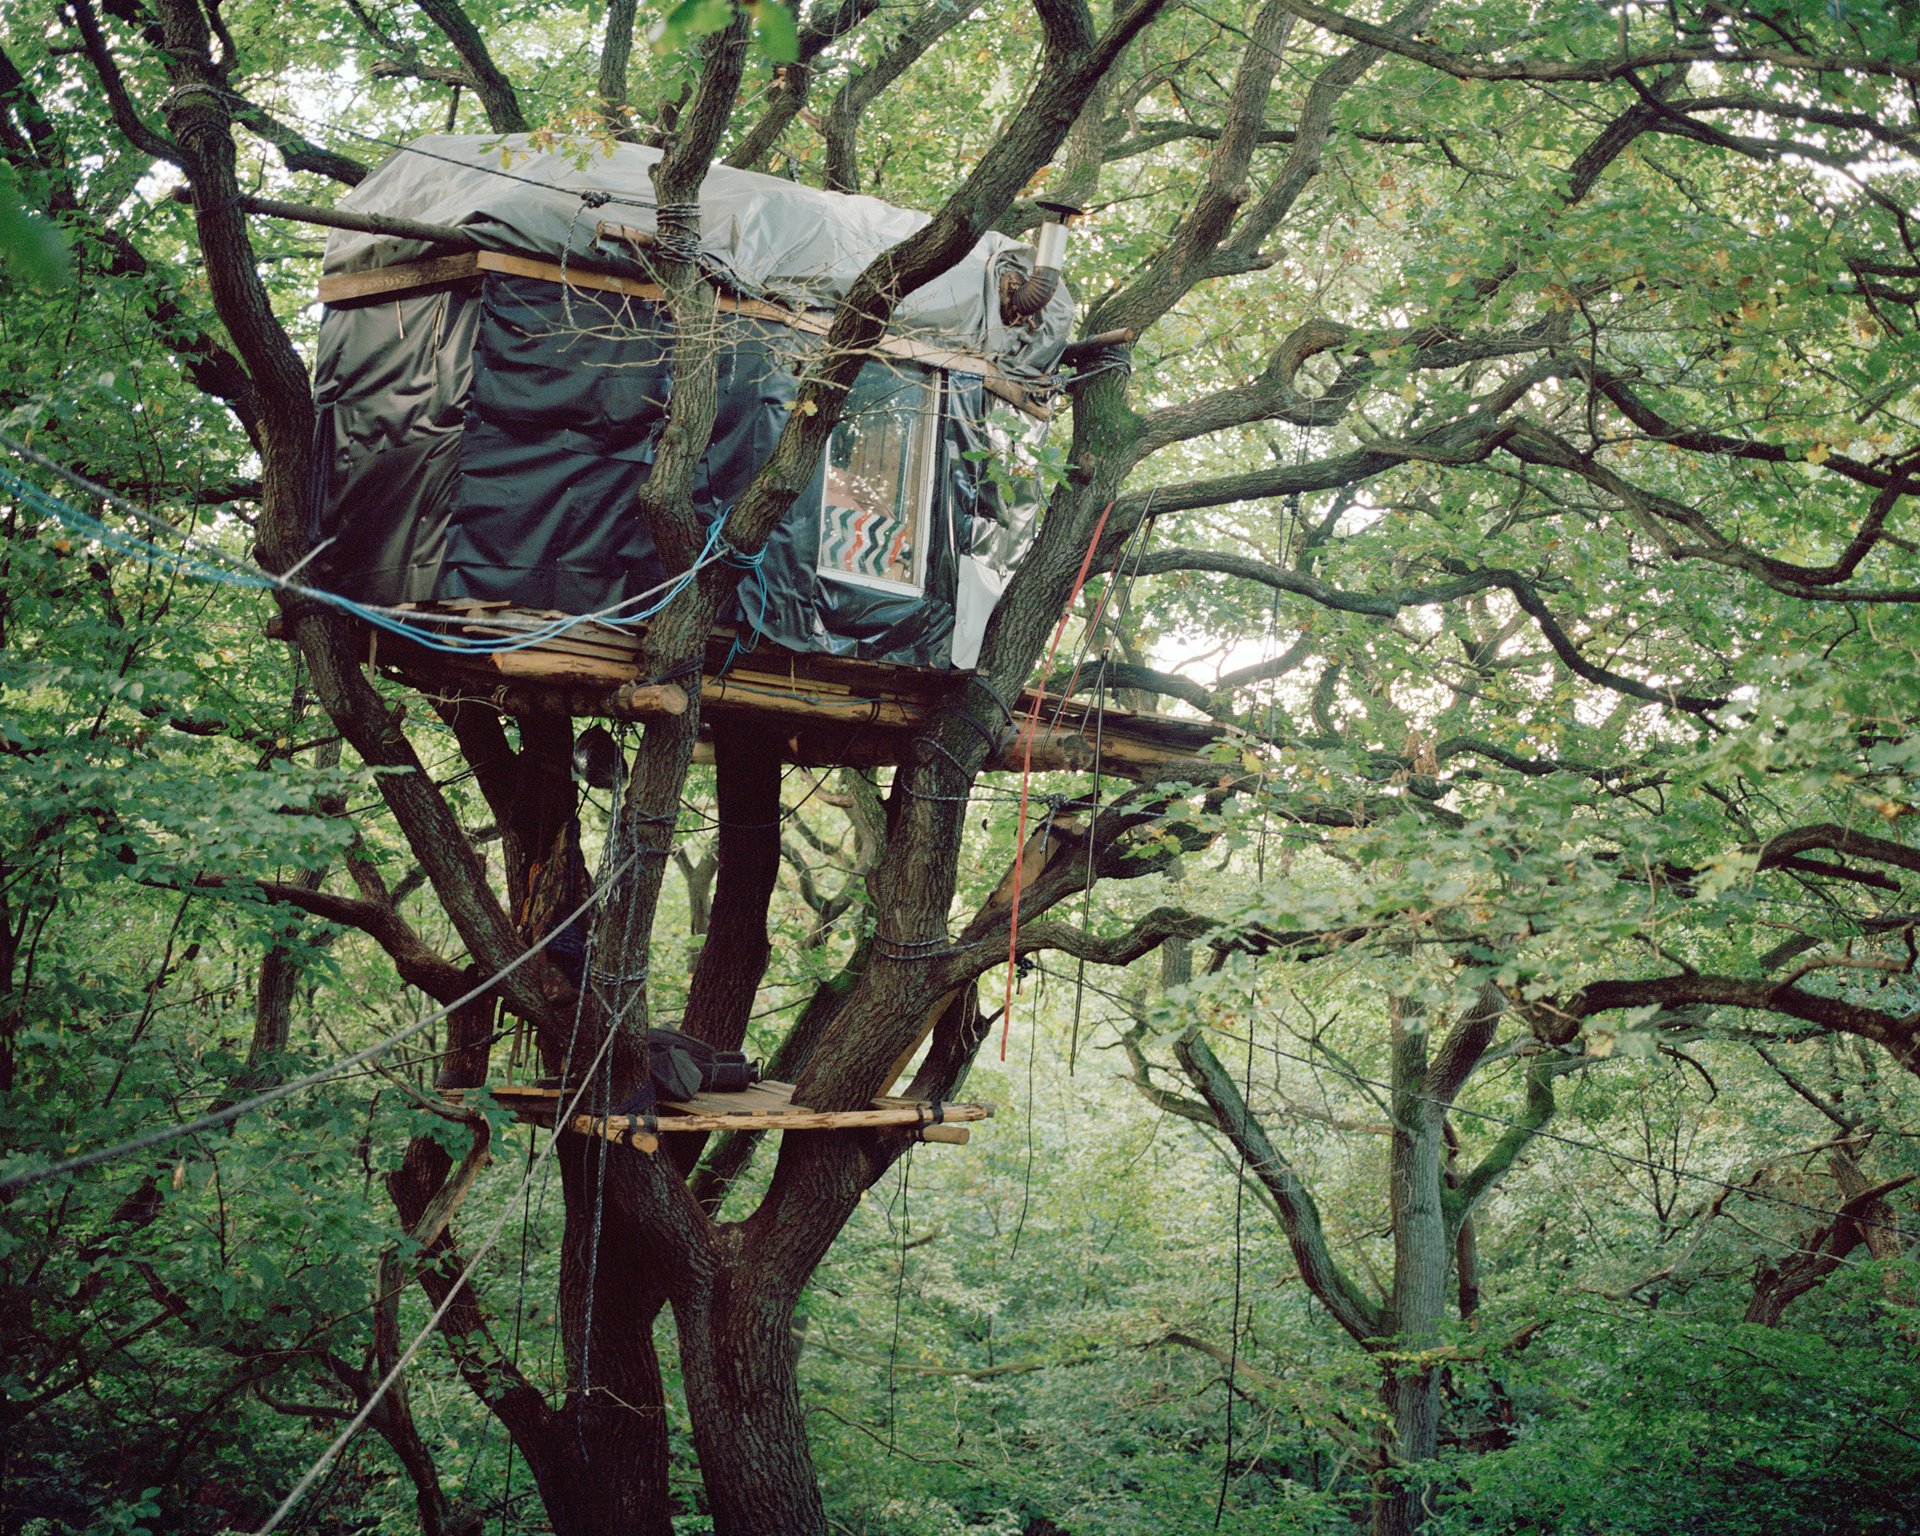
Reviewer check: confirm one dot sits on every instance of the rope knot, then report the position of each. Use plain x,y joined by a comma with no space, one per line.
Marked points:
677,231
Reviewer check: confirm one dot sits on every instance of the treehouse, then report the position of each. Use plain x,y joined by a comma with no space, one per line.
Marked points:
492,382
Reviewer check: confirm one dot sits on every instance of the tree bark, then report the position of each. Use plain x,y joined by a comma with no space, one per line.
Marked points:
608,1475
1422,1254
738,1359
747,777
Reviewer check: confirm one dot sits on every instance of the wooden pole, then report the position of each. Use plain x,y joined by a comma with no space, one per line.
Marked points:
346,218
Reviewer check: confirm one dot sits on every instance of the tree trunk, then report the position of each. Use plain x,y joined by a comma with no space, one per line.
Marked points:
747,783
609,1474
739,1358
1422,1254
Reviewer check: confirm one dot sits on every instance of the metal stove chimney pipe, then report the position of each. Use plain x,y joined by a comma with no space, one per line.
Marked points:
1021,301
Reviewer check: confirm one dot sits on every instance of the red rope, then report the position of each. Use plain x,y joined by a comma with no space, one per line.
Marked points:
1026,770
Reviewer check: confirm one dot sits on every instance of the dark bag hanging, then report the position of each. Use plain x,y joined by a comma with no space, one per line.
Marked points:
679,1066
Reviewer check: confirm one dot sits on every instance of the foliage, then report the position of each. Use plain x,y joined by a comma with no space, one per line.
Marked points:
1531,497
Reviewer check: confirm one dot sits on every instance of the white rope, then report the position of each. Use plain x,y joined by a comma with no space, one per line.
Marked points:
233,1112
358,1422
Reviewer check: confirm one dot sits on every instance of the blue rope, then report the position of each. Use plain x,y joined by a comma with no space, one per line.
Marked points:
231,573
755,563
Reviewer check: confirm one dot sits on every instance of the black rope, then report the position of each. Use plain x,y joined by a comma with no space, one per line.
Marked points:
1086,889
1006,710
899,1286
1116,358
929,948
974,723
1239,1234
677,231
519,1308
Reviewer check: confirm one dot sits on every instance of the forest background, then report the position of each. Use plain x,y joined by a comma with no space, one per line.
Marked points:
1482,1098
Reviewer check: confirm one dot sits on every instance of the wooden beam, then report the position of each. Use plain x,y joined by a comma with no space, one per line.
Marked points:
584,275
630,701
765,1106
349,219
390,282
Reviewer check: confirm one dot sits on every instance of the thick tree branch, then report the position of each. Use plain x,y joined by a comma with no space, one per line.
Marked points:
787,92
1299,1215
490,84
201,123
298,152
1619,66
106,68
416,963
1243,251
926,27
1899,1034
615,52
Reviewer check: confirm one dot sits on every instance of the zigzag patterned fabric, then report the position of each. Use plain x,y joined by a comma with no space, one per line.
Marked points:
864,543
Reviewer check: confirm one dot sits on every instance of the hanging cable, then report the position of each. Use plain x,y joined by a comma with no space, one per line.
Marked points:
1026,1169
1141,537
1239,1253
1026,773
519,1308
1086,886
899,1286
217,1118
358,1421
627,991
210,563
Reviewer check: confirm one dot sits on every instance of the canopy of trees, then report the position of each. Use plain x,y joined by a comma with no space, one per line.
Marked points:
1480,1097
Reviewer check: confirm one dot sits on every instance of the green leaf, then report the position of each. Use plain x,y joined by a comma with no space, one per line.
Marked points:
690,21
774,30
31,245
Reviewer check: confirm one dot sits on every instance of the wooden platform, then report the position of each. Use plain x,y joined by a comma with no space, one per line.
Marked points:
832,710
765,1106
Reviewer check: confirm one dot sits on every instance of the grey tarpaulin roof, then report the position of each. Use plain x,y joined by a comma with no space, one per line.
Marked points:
770,238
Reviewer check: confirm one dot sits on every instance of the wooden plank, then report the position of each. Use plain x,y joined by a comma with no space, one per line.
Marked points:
379,282
790,1119
577,275
541,1112
831,696
530,664
791,683
758,1099
763,1106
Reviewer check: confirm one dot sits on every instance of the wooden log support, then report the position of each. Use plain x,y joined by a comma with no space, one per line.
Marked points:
830,709
630,701
359,223
766,1106
1077,353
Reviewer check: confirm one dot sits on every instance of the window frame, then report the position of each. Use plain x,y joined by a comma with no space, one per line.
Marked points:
922,447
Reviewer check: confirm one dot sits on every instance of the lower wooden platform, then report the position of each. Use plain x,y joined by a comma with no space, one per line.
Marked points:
766,1106
830,710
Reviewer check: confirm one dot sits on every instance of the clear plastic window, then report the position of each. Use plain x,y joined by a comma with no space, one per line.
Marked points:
873,518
